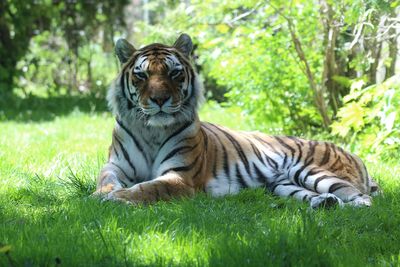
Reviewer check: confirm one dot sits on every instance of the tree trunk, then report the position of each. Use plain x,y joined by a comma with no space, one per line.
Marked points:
331,30
394,45
376,50
8,55
318,90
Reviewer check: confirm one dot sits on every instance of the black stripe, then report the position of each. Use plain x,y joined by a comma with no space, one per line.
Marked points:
256,152
272,163
261,178
300,154
326,156
225,154
241,180
192,80
358,168
137,143
294,192
116,152
291,149
214,171
205,139
180,130
176,151
182,168
297,174
334,168
311,151
200,168
123,87
203,152
336,187
268,144
124,173
185,92
276,185
126,155
348,157
284,161
333,149
122,84
319,179
226,162
238,148
312,171
130,65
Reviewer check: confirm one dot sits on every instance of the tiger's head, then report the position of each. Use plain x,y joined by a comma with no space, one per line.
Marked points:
157,83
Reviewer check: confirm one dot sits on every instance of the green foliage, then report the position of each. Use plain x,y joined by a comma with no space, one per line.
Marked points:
252,58
51,69
277,62
19,21
246,48
369,120
53,46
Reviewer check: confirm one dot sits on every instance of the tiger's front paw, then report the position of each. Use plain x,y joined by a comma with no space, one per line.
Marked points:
137,194
104,190
120,195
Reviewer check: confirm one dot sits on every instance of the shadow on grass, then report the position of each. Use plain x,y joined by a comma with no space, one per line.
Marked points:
37,109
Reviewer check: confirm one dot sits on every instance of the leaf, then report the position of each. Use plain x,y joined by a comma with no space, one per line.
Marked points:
222,28
340,129
352,116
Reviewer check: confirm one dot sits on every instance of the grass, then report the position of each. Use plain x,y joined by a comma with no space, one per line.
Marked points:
48,169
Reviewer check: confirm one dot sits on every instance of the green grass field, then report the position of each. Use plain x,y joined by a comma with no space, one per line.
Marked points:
48,169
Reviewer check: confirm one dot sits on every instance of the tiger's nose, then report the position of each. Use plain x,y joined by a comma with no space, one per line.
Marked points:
160,100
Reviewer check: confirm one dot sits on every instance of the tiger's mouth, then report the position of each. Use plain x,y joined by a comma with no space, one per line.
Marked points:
161,118
152,109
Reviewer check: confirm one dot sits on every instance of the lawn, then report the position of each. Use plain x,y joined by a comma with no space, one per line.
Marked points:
48,165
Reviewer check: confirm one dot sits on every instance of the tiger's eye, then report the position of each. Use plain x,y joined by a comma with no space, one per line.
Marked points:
140,75
174,73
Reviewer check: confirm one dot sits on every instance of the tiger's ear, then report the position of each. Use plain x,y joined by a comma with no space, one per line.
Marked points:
124,50
184,44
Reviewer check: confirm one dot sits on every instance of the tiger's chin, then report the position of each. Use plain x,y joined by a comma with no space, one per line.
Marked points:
161,119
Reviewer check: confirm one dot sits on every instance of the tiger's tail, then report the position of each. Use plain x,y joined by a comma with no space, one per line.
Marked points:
374,187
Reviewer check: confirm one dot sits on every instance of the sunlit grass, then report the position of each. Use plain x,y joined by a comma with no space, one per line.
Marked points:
48,169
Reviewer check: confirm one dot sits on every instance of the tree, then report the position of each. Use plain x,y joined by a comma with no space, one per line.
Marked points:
19,22
78,22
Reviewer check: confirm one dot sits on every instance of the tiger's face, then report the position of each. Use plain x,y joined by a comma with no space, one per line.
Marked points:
157,81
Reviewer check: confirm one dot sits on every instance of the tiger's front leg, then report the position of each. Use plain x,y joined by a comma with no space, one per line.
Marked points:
164,187
108,181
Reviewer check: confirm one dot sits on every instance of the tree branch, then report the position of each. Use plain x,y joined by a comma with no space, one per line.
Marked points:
318,90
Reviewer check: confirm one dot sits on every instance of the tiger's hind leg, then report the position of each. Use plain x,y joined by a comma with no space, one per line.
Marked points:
288,189
323,181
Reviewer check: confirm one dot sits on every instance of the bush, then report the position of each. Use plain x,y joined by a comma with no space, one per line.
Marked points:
370,118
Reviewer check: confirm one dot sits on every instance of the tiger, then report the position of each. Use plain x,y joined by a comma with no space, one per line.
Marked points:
160,149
